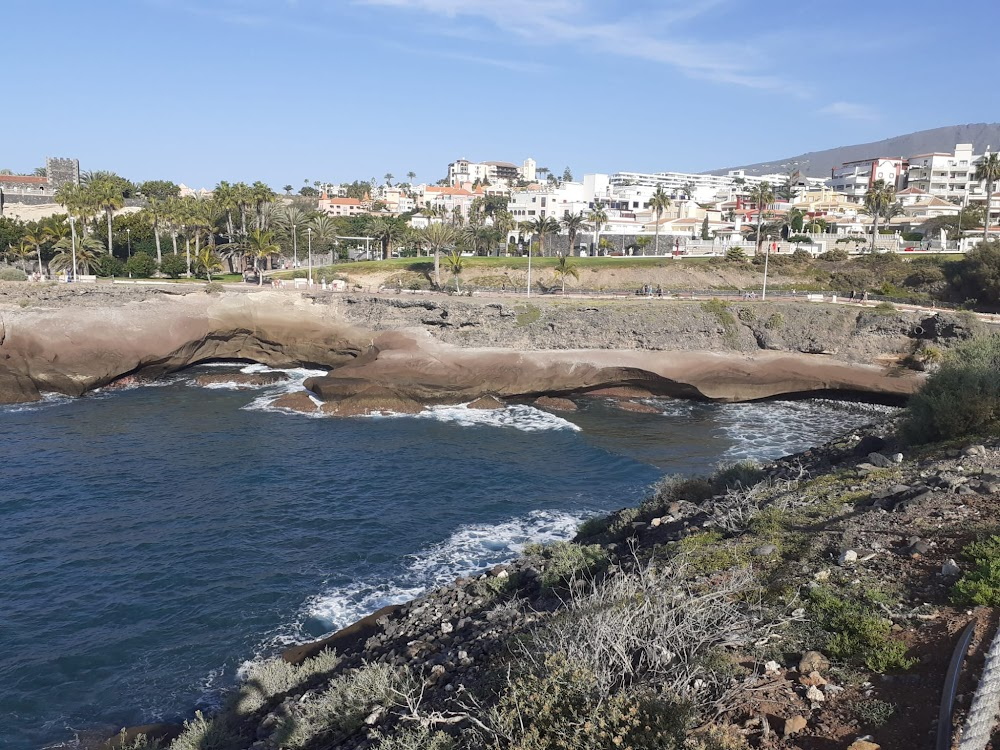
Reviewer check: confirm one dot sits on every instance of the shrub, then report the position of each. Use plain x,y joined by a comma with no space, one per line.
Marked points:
774,322
677,489
343,706
960,399
885,308
415,738
558,707
912,236
874,712
206,734
736,255
980,584
738,475
173,266
720,311
108,265
857,631
837,254
565,560
746,314
528,315
139,742
12,274
141,265
274,677
800,255
214,287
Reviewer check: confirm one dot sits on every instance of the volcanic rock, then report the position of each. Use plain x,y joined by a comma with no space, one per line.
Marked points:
553,403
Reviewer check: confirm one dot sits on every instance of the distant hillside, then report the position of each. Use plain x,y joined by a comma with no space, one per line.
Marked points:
819,163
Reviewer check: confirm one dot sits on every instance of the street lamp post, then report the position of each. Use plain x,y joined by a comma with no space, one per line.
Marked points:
309,231
295,247
72,230
128,234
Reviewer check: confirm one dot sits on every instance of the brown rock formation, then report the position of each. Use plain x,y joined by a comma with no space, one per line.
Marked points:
71,350
300,402
637,407
554,403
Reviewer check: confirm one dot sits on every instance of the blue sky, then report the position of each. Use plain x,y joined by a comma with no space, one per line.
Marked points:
286,90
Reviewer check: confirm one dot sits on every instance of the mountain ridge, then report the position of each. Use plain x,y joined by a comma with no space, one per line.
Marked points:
819,163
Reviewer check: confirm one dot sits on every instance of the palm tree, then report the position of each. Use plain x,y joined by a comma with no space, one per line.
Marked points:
324,230
878,198
287,189
542,226
36,237
206,260
762,195
573,223
155,214
564,269
454,261
598,218
387,229
411,176
439,237
108,197
659,201
260,246
23,251
388,177
261,195
988,170
88,250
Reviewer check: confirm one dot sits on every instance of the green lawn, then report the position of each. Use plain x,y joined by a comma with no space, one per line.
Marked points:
421,265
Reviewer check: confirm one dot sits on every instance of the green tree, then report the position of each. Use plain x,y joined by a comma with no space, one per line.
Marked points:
455,261
567,175
573,223
207,262
388,177
260,246
88,250
541,227
36,238
439,237
762,196
988,171
288,189
22,251
704,228
159,189
658,202
387,230
977,275
878,198
141,265
563,269
597,218
108,196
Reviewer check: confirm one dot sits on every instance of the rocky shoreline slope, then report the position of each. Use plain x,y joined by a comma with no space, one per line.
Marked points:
400,353
806,603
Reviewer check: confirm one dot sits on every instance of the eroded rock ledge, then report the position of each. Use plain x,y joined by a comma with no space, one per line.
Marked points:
393,354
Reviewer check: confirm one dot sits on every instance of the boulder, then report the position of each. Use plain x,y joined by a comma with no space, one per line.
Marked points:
373,400
638,407
813,661
555,404
881,462
299,401
794,724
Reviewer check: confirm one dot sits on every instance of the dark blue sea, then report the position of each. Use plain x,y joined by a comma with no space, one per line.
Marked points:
155,539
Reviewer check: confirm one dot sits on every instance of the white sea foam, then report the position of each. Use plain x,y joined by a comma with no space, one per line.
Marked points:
764,430
518,416
469,549
48,400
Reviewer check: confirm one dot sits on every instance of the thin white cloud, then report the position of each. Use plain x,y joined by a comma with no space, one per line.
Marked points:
850,111
652,37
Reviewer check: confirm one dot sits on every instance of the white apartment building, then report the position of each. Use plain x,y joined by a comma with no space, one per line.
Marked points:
558,200
497,172
702,187
853,178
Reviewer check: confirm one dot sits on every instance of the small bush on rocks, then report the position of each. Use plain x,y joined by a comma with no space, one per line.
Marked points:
139,742
739,475
677,489
565,560
559,706
874,712
415,738
981,583
775,321
273,677
207,734
961,399
12,274
857,631
343,706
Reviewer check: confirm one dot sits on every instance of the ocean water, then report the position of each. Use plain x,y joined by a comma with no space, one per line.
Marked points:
155,539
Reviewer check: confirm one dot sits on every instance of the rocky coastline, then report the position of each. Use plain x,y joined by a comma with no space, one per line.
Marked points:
389,353
858,518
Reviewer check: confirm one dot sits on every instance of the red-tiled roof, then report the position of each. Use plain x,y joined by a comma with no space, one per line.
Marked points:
343,201
22,178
